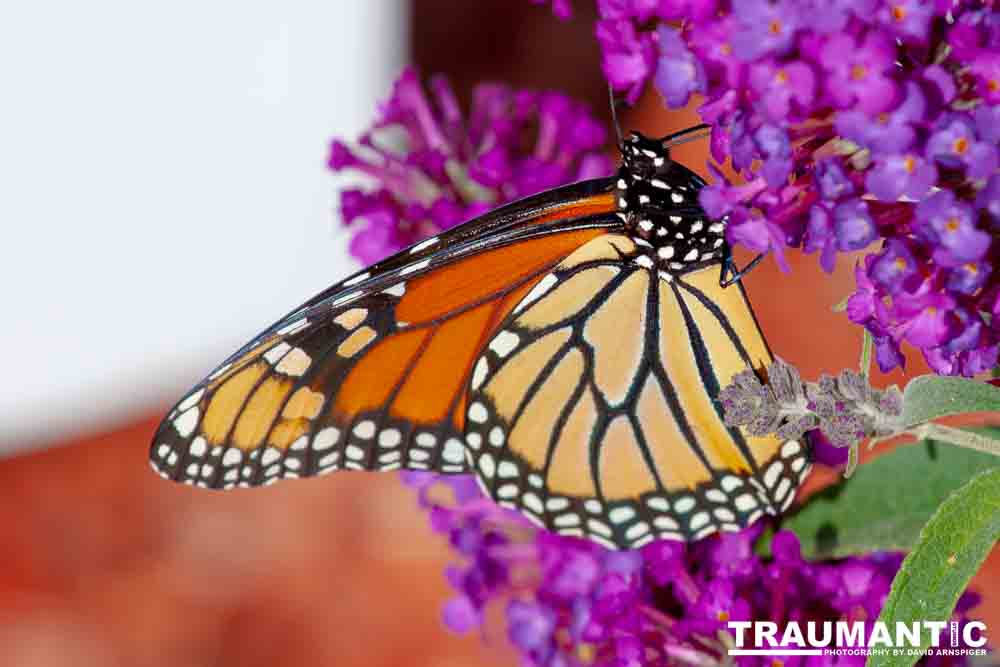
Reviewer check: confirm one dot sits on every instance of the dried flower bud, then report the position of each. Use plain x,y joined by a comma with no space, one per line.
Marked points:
785,382
746,402
795,428
854,387
891,401
845,409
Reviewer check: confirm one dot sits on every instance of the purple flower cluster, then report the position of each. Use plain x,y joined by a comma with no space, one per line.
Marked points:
571,602
436,167
849,121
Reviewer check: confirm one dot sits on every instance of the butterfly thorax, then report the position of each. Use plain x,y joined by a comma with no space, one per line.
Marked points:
658,200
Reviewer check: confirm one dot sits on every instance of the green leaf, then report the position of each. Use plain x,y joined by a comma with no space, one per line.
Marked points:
887,501
928,397
762,547
951,548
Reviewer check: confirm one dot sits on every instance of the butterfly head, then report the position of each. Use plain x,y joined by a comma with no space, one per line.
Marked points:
645,157
657,199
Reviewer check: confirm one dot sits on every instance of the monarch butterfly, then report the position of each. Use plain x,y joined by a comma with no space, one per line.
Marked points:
568,349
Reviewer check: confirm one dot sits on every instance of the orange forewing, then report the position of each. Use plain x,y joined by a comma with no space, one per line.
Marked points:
458,285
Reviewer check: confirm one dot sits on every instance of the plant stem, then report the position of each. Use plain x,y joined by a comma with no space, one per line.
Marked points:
867,344
957,437
853,455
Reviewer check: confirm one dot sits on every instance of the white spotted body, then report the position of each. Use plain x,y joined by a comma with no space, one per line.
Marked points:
659,200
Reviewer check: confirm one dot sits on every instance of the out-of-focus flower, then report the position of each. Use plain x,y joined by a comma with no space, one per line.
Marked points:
765,28
434,167
629,56
679,73
908,20
563,9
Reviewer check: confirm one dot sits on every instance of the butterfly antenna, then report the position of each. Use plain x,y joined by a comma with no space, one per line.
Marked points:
684,136
614,119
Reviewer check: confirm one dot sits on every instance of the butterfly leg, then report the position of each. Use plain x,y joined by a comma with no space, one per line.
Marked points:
729,274
692,133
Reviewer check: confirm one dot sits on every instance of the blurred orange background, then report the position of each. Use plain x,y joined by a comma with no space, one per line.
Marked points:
105,564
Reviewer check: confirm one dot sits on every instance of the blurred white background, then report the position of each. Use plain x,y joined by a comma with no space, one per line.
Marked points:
164,190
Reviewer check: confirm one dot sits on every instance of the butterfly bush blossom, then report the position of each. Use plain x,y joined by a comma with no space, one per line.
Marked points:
853,124
436,168
568,601
571,602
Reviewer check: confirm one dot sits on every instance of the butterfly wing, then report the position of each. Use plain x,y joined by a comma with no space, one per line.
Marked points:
593,408
371,374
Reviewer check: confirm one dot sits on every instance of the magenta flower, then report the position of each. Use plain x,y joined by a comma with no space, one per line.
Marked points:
845,228
891,132
699,11
783,88
973,33
774,146
907,19
988,200
825,452
820,236
901,175
954,144
987,120
950,225
826,16
679,73
710,41
887,353
853,225
986,68
866,303
832,181
968,278
563,9
721,198
895,267
628,56
530,627
971,352
764,28
757,233
925,317
972,362
859,72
